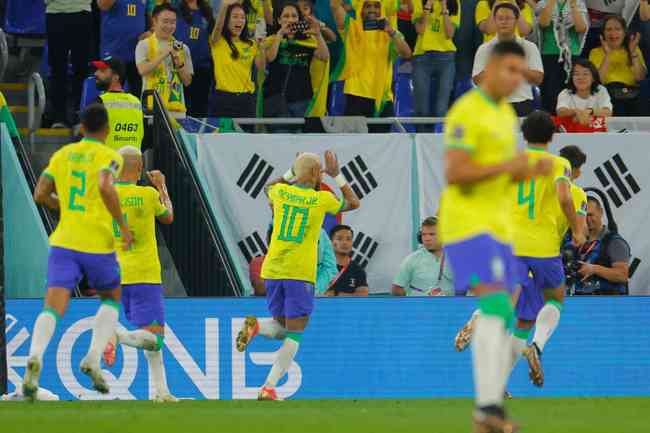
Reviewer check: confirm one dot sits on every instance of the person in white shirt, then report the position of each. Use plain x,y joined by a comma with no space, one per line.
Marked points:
506,16
584,96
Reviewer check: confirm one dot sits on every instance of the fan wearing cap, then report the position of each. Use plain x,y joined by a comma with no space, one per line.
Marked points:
124,110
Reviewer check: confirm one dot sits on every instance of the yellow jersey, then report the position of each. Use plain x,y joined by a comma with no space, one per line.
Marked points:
579,197
141,206
434,37
619,70
298,215
483,207
536,209
234,75
85,224
483,12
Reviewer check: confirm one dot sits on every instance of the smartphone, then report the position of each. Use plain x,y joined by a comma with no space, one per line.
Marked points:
379,24
300,27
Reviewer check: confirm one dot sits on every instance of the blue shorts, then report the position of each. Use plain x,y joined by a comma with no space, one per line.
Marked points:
547,273
481,260
65,268
289,298
143,304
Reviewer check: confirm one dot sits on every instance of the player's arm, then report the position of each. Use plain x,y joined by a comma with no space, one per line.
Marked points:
105,5
460,169
112,202
563,187
157,179
351,201
44,193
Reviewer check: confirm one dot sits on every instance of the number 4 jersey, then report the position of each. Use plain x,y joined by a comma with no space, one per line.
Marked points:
85,224
537,213
298,215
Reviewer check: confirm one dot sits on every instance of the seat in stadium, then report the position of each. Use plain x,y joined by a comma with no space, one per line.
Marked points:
337,99
25,17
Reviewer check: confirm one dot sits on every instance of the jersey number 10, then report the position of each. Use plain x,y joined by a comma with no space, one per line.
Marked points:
289,215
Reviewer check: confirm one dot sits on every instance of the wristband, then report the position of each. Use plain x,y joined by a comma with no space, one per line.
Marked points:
340,180
289,176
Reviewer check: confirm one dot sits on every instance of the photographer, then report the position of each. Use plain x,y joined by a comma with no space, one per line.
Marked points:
605,257
369,38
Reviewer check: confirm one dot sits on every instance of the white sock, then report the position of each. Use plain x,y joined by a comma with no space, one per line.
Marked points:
157,369
547,320
103,329
271,328
488,356
140,338
43,330
282,362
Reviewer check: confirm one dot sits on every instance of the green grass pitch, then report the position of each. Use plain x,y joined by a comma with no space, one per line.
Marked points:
560,415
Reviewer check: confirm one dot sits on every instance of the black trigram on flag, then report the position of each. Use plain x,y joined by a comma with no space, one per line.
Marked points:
255,176
252,246
364,248
617,180
361,180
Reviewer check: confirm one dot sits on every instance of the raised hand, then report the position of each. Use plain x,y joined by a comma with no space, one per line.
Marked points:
605,45
156,178
634,42
331,164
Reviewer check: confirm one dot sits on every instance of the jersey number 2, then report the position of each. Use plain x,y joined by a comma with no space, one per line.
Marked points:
523,199
77,191
289,221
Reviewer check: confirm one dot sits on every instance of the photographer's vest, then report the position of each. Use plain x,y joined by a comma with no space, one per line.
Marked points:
166,82
125,118
598,256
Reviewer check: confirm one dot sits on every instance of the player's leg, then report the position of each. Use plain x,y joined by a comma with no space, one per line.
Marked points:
143,308
271,328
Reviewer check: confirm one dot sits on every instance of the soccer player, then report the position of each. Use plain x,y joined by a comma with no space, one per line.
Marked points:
79,183
142,291
481,164
289,269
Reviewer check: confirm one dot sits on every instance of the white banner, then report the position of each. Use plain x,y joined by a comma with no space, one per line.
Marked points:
379,167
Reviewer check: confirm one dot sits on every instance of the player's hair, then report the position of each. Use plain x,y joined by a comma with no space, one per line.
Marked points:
162,8
129,150
595,77
430,221
338,228
304,162
505,5
538,127
574,155
94,118
508,48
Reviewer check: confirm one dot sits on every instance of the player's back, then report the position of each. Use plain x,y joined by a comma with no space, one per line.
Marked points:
85,223
535,209
141,206
485,129
298,215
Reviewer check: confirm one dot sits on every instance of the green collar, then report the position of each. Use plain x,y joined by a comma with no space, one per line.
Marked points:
487,97
123,182
537,148
91,140
297,185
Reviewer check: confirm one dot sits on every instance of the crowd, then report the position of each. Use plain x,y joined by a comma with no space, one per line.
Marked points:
246,58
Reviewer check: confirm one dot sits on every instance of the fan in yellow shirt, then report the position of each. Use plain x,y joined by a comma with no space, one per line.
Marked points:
485,22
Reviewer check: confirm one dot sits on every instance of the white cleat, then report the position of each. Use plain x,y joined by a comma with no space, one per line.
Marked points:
30,381
95,375
165,398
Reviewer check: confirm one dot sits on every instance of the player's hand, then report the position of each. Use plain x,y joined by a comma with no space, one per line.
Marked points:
331,164
127,238
543,167
156,178
578,239
586,270
518,167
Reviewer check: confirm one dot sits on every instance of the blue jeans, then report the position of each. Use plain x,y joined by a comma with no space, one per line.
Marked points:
441,67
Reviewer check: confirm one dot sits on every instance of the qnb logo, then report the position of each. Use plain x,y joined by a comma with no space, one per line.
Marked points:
617,180
361,179
252,246
255,176
364,248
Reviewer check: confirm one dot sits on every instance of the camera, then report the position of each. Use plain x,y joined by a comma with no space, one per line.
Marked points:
300,27
177,45
571,262
379,24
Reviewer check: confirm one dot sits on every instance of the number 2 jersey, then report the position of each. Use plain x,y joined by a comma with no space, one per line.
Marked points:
85,225
298,215
141,206
537,215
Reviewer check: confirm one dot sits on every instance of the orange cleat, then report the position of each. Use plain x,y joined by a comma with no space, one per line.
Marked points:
110,352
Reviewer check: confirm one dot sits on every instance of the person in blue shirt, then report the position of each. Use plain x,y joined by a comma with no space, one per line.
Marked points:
193,27
123,23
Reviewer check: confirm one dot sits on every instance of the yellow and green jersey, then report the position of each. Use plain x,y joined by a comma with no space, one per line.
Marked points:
579,197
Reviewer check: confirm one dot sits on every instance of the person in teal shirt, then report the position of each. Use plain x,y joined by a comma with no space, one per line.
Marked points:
425,272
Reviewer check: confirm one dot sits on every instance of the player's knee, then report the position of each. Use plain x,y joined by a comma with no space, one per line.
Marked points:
500,305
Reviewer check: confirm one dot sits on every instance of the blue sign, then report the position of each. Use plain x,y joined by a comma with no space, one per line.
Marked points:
353,348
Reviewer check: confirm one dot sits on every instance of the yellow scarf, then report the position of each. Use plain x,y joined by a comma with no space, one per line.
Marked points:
171,93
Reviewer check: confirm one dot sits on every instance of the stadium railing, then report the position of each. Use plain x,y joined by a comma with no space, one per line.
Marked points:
36,101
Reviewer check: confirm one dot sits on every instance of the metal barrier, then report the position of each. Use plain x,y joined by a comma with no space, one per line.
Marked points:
4,55
35,87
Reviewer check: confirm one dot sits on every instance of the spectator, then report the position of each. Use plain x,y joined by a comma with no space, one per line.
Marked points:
644,23
484,18
425,272
368,36
124,110
165,64
505,17
259,16
563,26
307,9
233,54
69,26
193,27
584,96
123,24
298,68
405,20
598,10
604,258
351,278
434,56
621,66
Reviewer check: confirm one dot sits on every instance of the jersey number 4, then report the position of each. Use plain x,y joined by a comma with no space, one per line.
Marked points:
527,199
77,192
287,227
